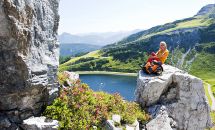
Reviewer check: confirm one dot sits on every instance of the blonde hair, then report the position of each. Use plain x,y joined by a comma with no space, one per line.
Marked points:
163,43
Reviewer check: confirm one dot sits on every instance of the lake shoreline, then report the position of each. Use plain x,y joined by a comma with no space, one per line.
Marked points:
106,72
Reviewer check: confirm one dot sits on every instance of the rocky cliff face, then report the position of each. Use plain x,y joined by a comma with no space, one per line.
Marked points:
28,58
176,100
207,10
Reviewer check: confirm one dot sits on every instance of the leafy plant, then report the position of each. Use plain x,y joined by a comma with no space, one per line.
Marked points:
79,107
117,124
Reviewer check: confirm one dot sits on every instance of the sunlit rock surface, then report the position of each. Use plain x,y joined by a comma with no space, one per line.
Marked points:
28,58
39,123
182,95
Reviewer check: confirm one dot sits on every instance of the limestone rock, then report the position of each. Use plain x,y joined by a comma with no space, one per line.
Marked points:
161,120
71,78
68,79
39,123
28,57
181,94
110,124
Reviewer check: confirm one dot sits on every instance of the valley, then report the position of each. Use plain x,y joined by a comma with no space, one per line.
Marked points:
191,43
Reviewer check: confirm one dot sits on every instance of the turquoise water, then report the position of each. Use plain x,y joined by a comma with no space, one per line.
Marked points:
125,85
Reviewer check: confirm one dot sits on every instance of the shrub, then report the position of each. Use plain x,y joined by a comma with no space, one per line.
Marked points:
79,107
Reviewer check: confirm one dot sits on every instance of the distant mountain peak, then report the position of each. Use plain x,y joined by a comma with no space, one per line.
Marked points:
95,38
206,10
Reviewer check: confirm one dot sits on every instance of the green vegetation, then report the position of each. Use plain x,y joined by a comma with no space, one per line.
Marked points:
176,55
88,65
79,107
194,23
204,67
212,114
98,61
206,47
63,59
181,25
94,54
79,62
75,49
207,94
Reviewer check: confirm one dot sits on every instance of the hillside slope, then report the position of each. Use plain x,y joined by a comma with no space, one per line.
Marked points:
76,48
190,41
182,37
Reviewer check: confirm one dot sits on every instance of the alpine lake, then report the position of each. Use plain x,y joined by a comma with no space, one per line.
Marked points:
122,84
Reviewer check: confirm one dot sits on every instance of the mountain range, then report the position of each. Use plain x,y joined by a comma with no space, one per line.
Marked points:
100,39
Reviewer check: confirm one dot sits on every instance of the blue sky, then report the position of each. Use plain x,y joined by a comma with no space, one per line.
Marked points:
84,16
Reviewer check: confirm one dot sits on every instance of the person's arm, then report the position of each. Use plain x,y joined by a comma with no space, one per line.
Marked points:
154,55
157,52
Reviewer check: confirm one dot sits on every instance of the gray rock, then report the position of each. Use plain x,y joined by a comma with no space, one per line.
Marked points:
5,124
181,94
39,123
71,78
161,121
28,57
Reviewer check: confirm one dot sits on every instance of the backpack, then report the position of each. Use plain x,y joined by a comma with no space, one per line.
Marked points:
155,67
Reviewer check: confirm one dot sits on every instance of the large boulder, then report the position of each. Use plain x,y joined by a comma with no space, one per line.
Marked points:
28,58
181,94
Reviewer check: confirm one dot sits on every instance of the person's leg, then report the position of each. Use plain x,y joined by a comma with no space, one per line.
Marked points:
151,59
157,59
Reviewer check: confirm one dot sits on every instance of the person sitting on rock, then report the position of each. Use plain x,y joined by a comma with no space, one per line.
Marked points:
161,55
155,61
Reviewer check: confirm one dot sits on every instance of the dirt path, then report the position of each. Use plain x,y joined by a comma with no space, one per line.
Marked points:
212,97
